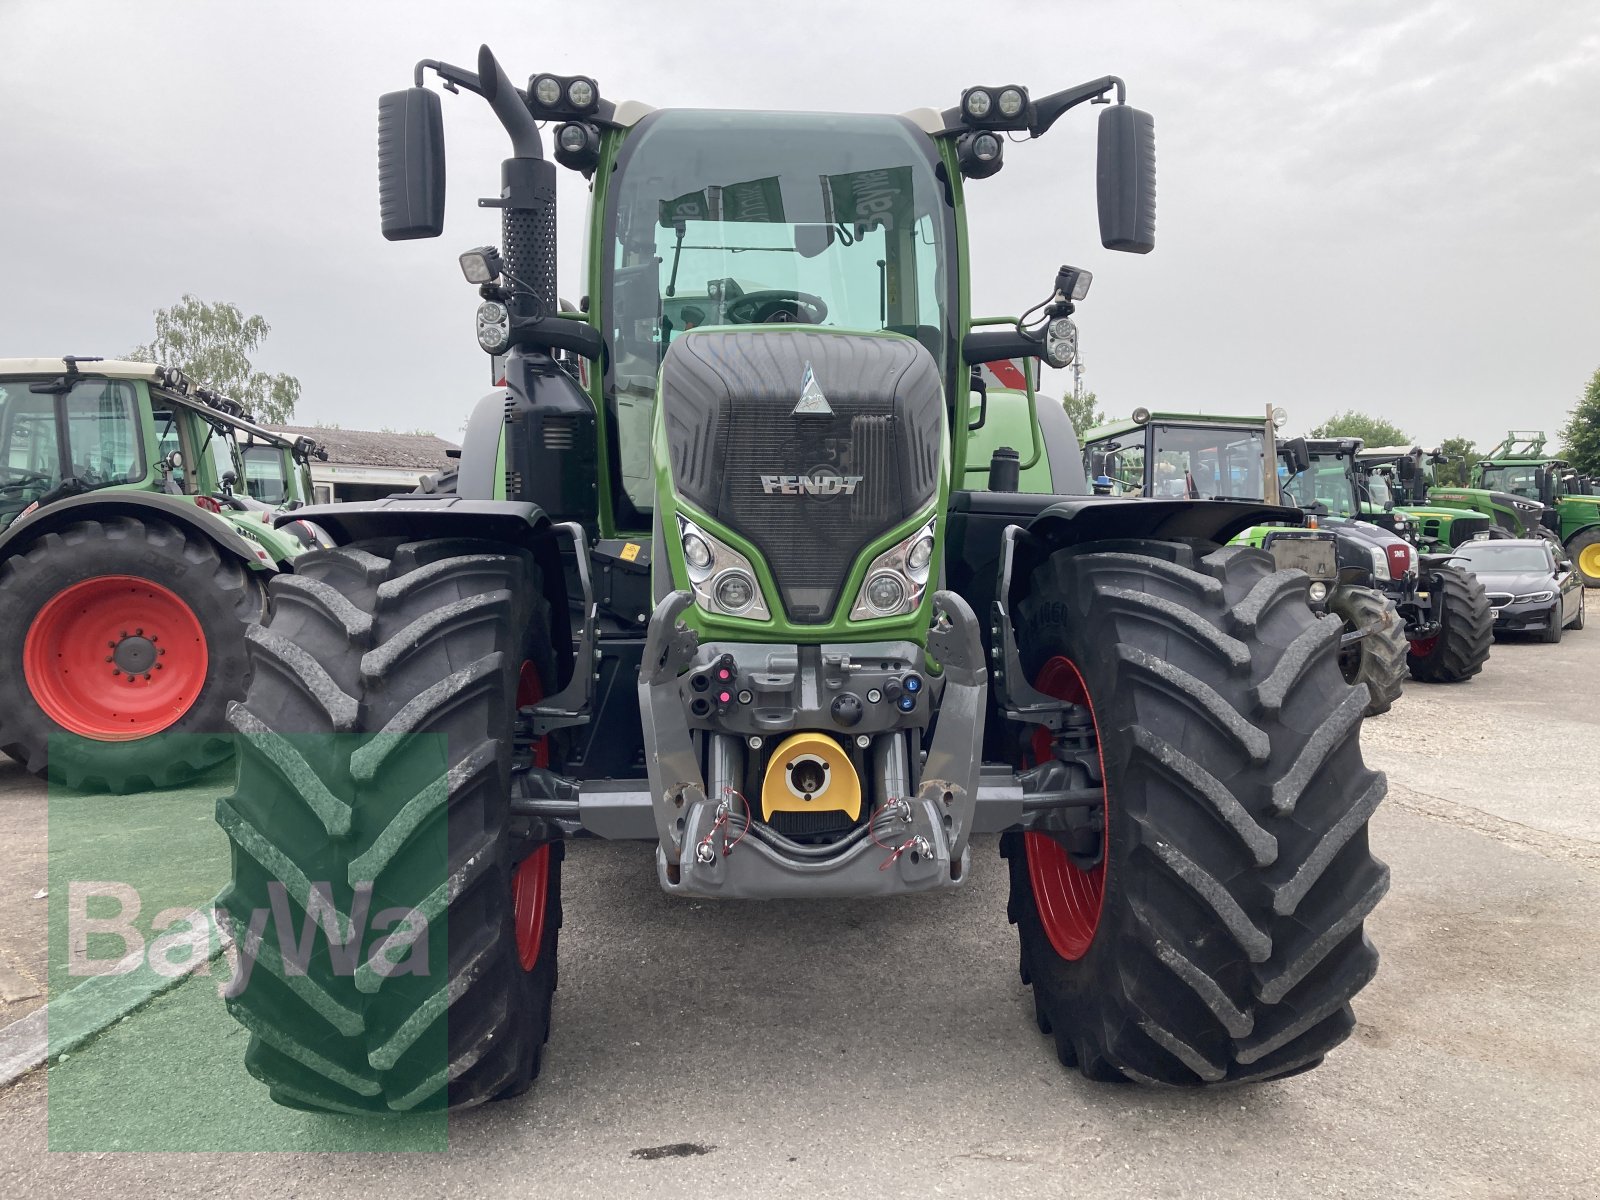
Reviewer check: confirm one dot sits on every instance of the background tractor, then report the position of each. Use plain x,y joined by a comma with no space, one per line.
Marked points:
713,574
1406,474
129,570
1217,457
1568,511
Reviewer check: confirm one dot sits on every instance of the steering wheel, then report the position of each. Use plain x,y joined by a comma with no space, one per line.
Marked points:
777,306
18,479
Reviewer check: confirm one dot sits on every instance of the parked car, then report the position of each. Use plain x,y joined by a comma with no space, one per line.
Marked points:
1531,584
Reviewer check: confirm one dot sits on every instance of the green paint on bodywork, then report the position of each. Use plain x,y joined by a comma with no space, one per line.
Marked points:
1010,422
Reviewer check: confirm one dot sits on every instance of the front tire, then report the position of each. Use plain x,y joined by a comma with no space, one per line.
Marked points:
377,746
125,639
1225,941
1584,551
1466,633
1378,659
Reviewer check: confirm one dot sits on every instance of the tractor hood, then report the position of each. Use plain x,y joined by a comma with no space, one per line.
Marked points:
809,445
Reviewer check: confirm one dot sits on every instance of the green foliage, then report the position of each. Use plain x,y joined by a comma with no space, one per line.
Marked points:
212,343
1374,431
1084,411
1456,473
1581,434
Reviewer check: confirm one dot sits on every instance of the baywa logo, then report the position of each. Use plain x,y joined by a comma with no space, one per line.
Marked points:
823,481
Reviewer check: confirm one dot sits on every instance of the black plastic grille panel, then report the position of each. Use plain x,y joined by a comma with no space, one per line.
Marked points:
810,490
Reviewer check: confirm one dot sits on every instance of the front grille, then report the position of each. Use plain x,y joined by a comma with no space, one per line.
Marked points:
1499,599
811,490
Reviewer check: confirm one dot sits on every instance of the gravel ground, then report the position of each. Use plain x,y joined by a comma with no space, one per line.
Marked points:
879,1049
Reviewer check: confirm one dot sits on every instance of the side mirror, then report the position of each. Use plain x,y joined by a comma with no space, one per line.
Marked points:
1097,464
1126,180
411,164
1295,455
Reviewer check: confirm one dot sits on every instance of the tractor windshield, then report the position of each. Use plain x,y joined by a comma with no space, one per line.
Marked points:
101,446
731,218
1208,464
1327,483
1516,478
264,474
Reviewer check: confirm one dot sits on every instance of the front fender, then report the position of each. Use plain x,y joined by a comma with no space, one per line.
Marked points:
177,510
1080,519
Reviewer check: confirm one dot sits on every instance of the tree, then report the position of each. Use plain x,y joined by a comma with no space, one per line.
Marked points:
1581,434
212,344
1374,431
1457,472
1084,412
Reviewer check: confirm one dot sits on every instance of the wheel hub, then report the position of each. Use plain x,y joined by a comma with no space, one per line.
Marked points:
134,655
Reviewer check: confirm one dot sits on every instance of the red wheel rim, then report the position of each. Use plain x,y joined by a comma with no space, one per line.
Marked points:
529,889
1069,898
531,884
115,658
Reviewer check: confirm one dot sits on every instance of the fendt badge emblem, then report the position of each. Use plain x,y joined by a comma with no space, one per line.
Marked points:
823,481
812,401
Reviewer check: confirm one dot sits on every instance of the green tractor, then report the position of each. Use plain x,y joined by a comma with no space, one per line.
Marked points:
129,570
713,575
1567,510
1399,480
277,470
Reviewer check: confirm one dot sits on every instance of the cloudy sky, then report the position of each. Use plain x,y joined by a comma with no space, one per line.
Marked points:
1388,206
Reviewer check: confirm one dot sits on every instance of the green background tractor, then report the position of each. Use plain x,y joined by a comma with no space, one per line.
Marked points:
713,574
1406,472
129,570
1521,467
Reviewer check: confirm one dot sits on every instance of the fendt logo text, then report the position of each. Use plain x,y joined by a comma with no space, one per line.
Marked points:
820,482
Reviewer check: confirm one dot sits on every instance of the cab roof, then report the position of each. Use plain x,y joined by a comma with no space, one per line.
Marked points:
1202,420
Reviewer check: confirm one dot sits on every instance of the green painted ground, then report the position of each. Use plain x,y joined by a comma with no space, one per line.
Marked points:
168,1073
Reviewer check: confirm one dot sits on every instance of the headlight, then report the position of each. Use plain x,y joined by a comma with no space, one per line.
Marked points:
978,102
723,580
1061,343
1280,416
1010,102
1535,597
885,593
1319,592
494,327
897,578
734,590
1380,563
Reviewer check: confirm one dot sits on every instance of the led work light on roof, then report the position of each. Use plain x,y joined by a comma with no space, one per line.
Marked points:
578,146
980,154
1280,417
977,103
581,94
1011,102
1141,415
547,90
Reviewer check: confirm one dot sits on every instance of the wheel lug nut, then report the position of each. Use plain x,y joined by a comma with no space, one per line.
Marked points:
109,658
147,676
138,633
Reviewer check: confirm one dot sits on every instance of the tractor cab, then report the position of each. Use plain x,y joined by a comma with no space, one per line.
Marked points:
1185,456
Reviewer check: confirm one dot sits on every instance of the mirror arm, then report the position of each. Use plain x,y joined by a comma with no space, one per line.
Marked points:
1049,110
454,77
